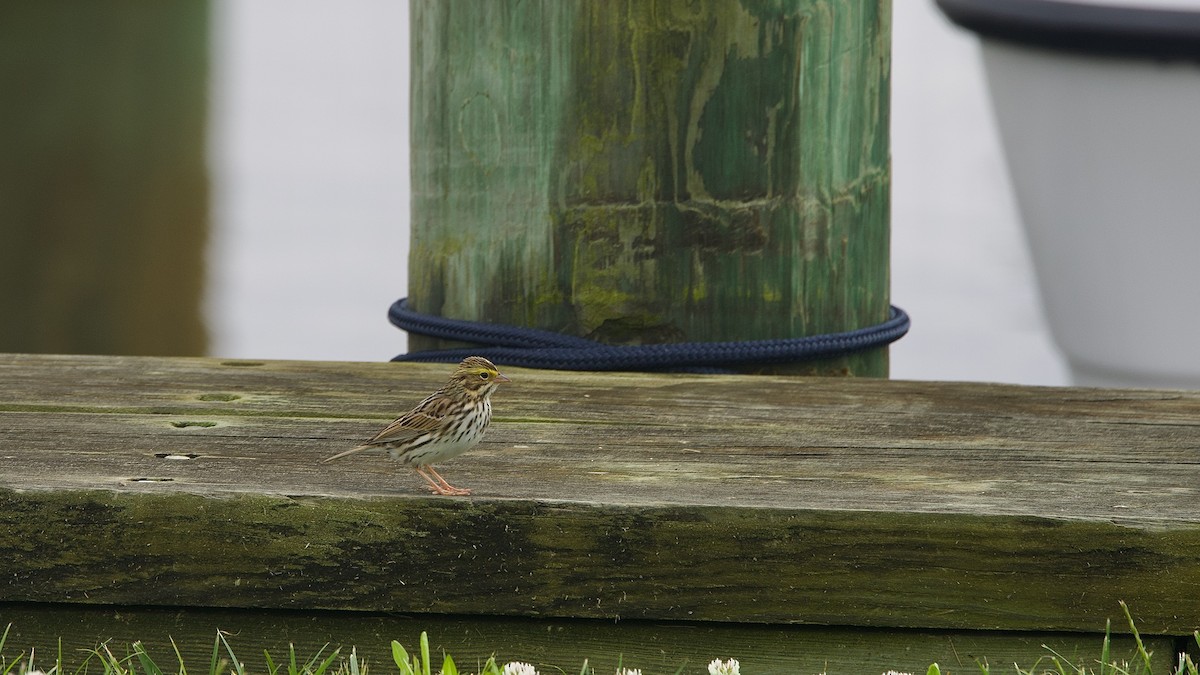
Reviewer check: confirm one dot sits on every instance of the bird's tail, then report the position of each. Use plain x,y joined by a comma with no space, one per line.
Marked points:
351,451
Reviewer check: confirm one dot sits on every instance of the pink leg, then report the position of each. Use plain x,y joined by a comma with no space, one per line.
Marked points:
437,489
439,484
449,489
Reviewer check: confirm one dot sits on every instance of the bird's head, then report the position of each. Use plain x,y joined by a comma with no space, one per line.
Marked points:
478,376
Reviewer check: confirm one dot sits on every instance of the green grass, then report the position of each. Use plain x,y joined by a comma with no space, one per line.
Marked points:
137,661
1056,664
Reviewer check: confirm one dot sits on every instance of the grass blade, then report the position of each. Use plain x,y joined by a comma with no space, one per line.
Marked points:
400,656
425,653
215,666
112,664
149,667
1137,638
324,664
490,667
238,666
178,655
1186,665
4,670
1106,649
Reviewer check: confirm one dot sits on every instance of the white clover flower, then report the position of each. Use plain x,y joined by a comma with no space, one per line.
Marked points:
896,672
719,667
629,671
518,668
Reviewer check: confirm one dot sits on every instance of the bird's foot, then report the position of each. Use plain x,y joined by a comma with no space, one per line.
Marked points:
438,485
450,491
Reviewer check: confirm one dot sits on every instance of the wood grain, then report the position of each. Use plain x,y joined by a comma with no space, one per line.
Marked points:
645,173
764,499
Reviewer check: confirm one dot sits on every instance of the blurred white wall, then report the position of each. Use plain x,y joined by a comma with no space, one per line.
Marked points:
310,159
309,154
959,262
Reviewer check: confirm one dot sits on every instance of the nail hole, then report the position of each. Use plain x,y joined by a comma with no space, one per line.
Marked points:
151,480
243,364
173,455
218,397
184,425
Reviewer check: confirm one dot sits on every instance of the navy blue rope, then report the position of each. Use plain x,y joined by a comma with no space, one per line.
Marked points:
534,348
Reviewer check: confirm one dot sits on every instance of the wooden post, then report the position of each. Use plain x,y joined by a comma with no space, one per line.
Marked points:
103,182
653,172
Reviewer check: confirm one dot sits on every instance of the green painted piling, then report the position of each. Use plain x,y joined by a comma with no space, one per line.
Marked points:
654,172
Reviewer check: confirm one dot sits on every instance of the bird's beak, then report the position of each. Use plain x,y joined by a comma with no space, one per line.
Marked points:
500,377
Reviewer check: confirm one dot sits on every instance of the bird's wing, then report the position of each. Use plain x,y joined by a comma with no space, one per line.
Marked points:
426,417
405,428
411,425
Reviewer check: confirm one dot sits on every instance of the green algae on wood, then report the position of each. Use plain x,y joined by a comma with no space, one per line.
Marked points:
654,172
488,557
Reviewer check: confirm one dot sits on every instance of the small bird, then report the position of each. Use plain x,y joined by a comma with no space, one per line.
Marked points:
446,424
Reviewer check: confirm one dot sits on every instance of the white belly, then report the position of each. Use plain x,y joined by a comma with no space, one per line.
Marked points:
462,437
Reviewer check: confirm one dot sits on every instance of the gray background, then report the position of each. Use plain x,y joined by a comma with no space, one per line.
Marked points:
310,169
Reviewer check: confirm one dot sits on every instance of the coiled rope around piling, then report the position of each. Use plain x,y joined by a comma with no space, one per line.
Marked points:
534,348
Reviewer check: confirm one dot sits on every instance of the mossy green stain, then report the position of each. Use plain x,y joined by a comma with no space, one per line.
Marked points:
515,557
719,169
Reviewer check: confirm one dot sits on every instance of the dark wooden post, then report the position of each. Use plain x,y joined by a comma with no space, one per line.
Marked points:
654,171
103,183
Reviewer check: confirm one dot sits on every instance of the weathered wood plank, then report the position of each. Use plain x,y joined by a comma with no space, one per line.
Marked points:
750,499
655,647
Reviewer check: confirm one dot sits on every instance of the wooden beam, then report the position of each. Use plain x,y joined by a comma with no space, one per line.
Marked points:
771,500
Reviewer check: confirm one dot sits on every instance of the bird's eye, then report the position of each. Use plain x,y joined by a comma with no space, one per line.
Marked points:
484,376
